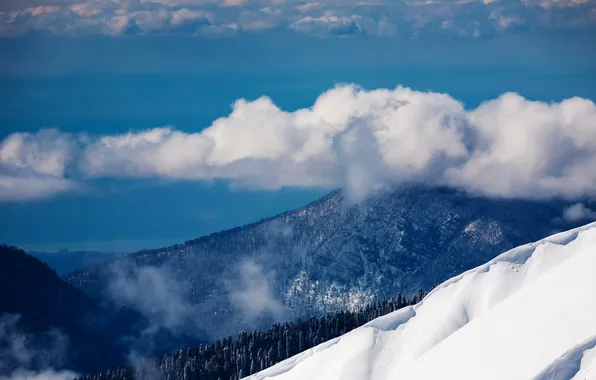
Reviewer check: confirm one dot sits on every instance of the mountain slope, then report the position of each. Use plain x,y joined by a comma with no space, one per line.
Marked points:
527,314
332,254
56,324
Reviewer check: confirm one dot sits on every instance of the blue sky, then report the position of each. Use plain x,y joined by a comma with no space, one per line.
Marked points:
102,94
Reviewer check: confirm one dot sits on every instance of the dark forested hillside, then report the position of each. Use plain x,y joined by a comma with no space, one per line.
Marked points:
56,324
251,351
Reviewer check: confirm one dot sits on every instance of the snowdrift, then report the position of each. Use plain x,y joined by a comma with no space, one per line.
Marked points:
529,314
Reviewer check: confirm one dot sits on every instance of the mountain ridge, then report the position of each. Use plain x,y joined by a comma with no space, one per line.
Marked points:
333,253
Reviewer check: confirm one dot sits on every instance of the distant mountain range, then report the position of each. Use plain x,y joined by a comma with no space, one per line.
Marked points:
327,256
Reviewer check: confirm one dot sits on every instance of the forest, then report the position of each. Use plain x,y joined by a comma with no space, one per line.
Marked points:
253,351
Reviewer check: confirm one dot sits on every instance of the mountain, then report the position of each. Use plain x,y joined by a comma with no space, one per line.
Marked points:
527,314
327,256
45,322
64,261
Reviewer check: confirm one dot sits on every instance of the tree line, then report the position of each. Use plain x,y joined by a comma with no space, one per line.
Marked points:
252,351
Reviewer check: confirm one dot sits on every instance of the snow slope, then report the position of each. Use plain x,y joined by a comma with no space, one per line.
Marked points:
528,314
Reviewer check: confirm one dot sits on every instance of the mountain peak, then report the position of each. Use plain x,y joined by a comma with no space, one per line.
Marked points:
329,254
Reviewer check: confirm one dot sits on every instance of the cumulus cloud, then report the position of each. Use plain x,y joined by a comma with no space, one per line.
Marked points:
531,149
357,139
45,152
33,166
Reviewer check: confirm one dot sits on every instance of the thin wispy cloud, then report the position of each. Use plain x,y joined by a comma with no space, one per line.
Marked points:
21,359
252,293
352,138
578,212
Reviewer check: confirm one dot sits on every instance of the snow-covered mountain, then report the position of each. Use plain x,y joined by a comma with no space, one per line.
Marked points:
327,256
528,314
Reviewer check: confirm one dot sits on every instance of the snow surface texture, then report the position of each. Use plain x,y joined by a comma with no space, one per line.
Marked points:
529,314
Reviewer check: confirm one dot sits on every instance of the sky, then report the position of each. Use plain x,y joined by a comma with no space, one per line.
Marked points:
137,124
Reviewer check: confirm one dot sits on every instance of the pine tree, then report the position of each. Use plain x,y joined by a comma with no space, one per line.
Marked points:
229,359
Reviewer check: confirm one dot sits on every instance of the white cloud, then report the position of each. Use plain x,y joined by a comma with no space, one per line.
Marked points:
324,25
86,9
118,24
184,15
252,292
36,11
411,18
155,292
177,3
45,152
18,353
148,20
234,3
306,7
15,188
578,212
531,149
353,138
33,166
47,374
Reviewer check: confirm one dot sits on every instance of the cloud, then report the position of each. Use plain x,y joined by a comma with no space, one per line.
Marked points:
357,139
15,188
155,292
185,15
308,6
408,18
33,166
36,11
21,359
252,293
86,9
234,3
173,310
324,25
47,374
578,212
45,152
165,303
531,149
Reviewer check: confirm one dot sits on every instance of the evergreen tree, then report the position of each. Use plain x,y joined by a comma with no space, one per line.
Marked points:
229,359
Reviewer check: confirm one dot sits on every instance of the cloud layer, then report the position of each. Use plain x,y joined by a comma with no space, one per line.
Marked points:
353,138
409,18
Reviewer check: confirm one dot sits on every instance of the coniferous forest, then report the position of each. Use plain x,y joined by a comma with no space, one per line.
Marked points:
252,351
